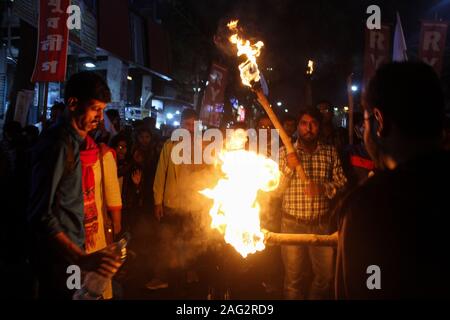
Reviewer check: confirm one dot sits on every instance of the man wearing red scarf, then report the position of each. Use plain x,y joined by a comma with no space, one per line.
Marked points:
65,209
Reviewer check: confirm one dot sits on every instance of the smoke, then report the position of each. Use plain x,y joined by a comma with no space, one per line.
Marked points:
221,38
185,234
249,27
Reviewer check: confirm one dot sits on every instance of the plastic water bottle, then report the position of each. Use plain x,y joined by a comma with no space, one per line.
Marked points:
95,284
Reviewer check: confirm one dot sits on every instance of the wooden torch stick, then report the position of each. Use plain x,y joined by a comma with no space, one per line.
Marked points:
283,135
272,238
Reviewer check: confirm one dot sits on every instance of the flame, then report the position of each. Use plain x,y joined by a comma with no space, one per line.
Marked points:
310,67
232,25
235,210
248,69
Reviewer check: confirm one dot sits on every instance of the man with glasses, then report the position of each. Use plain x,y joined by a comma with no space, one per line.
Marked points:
358,165
393,231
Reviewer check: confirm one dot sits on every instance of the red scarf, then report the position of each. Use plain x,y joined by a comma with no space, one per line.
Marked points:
89,156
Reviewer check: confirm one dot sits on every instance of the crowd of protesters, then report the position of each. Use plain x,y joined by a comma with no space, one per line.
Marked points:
86,179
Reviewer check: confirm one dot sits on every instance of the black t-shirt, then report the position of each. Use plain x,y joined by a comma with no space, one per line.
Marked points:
398,221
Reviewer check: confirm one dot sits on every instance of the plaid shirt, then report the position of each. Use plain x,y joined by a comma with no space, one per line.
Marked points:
323,166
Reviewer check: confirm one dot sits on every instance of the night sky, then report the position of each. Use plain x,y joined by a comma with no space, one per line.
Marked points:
329,32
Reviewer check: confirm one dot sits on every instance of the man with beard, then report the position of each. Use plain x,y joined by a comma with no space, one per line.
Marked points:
305,207
63,211
393,231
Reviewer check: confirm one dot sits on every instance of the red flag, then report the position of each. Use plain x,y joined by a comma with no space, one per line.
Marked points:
213,99
53,38
432,43
377,51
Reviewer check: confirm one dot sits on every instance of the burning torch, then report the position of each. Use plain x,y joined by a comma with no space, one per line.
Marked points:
250,75
308,90
235,211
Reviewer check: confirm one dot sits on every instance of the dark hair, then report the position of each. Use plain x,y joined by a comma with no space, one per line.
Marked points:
59,106
324,102
149,120
288,118
189,114
116,139
142,129
260,117
409,94
12,129
312,112
112,114
85,86
137,124
31,131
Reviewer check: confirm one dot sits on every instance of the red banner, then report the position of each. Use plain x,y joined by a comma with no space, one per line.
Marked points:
213,99
53,38
377,51
432,44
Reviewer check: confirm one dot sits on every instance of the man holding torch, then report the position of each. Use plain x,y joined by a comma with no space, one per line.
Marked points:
312,175
305,207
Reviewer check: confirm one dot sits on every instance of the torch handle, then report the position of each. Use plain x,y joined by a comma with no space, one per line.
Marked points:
301,239
283,135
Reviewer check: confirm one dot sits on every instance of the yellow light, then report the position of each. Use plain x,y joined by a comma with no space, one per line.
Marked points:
310,67
248,69
235,209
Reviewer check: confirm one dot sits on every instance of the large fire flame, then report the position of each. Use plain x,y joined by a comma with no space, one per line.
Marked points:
235,211
249,68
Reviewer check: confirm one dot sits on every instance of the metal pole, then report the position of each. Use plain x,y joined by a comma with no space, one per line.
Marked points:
44,117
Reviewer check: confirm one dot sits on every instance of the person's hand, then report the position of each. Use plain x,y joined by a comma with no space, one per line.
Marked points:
103,263
292,160
313,189
136,176
159,212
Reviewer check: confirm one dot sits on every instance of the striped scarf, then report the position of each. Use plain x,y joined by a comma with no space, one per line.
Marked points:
89,156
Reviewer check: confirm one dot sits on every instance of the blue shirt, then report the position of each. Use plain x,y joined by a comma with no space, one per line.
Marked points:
56,199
